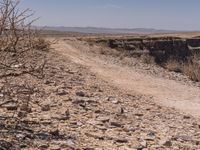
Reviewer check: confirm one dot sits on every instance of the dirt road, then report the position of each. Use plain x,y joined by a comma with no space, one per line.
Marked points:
169,93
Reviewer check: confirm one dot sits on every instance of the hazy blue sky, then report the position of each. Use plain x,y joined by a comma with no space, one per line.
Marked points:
159,14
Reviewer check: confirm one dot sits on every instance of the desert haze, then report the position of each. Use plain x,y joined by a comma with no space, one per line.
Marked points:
106,30
89,88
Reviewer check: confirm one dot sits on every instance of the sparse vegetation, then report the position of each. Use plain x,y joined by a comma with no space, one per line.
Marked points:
190,67
93,96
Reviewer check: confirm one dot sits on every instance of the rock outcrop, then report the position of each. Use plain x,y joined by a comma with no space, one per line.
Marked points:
162,49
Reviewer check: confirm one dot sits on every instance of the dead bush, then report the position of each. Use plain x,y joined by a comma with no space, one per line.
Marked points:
21,53
20,46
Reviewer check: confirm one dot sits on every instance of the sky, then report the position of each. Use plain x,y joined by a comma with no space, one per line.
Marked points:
158,14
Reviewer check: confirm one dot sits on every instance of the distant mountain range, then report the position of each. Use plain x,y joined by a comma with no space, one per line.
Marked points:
105,30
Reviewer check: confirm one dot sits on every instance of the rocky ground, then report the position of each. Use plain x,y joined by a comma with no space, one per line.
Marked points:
71,108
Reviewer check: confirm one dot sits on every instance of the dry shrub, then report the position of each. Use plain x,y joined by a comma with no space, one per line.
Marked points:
174,65
192,68
21,53
41,44
20,46
148,59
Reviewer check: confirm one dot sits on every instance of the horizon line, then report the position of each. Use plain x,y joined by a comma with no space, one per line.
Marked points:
116,28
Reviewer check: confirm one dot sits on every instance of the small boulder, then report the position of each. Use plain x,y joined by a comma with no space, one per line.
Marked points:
103,119
143,144
55,132
45,107
116,124
186,117
26,108
56,147
22,114
11,106
6,145
80,93
61,92
43,146
121,140
166,142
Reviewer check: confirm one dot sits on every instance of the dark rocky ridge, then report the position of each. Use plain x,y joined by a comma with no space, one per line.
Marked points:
162,49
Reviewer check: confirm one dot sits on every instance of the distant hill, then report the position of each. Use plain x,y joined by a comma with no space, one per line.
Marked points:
105,30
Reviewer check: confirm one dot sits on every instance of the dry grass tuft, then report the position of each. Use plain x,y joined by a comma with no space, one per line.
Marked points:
174,65
191,67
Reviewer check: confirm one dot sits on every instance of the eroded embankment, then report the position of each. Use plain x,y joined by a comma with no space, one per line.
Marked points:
173,53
